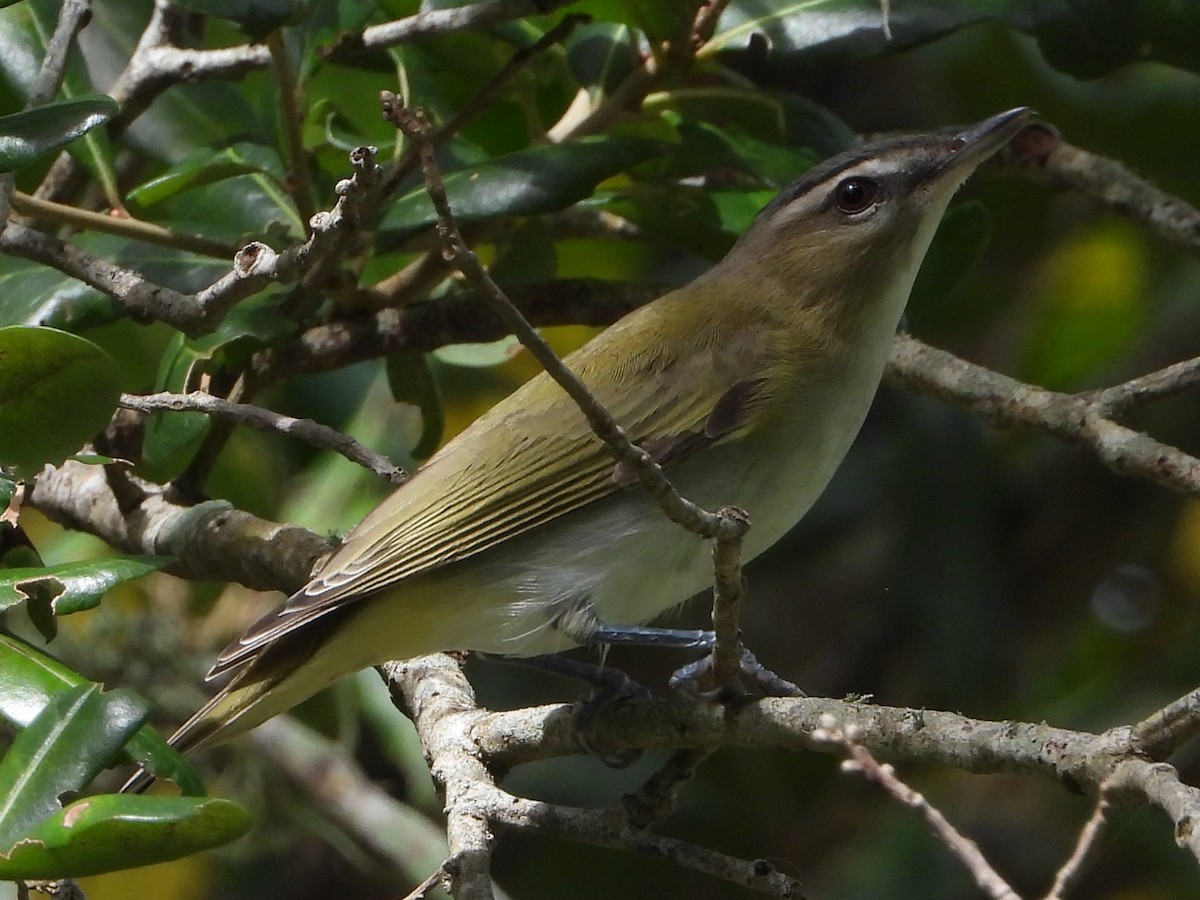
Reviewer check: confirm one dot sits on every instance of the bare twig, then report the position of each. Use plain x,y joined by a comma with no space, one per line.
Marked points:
1039,152
453,319
1086,848
1074,418
136,229
1166,730
685,513
265,420
73,15
858,759
485,96
1168,382
441,703
443,708
254,266
440,21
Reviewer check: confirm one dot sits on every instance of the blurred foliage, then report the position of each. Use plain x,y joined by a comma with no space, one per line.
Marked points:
948,565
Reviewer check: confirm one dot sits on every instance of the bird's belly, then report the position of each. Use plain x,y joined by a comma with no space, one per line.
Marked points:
624,561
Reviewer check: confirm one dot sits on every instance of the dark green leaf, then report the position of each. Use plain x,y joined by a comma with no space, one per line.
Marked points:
71,587
706,222
27,135
1087,38
807,31
529,182
258,18
77,734
205,167
172,437
411,382
29,679
121,831
601,54
56,391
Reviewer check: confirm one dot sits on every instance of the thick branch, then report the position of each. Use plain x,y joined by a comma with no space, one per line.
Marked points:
211,541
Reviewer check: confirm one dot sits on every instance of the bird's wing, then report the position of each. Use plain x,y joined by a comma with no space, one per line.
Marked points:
546,461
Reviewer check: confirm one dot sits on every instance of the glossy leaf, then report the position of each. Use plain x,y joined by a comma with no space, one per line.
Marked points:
76,735
814,30
412,382
29,679
72,587
1087,38
25,136
538,180
205,167
121,831
57,390
171,437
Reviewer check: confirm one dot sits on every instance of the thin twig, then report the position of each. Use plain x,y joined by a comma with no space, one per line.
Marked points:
1039,152
485,96
135,229
1166,730
439,21
858,759
1086,848
443,708
1075,418
1166,382
265,420
73,15
650,474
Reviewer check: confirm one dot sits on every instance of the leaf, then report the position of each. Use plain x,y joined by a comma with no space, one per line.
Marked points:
258,18
72,587
705,222
205,167
807,31
56,391
529,182
1086,38
478,356
29,679
121,831
25,136
412,382
76,735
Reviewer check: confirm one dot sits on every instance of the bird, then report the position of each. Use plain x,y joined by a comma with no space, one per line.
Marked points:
522,537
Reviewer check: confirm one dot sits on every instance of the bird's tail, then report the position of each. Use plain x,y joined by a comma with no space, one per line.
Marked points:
239,706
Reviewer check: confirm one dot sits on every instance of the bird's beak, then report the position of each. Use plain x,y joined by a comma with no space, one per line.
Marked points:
971,146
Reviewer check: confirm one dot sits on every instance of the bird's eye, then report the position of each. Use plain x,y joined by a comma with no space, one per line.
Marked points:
853,195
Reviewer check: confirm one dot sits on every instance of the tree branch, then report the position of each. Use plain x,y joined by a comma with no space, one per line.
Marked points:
1079,419
266,420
